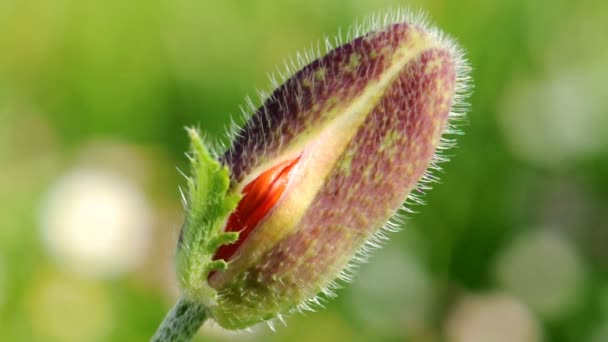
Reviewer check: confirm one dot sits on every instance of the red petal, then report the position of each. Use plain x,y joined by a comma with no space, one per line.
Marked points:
260,196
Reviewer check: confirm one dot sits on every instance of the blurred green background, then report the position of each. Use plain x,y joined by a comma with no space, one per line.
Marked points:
94,95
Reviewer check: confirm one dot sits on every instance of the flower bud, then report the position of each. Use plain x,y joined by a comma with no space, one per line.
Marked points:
316,172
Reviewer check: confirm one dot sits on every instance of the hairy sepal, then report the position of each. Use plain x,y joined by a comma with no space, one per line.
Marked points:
208,204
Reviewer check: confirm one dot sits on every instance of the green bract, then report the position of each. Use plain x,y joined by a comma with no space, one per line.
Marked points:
208,204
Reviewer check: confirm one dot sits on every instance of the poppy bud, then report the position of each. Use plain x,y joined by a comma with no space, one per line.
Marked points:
311,178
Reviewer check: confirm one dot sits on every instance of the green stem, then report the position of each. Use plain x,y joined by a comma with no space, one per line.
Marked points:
182,322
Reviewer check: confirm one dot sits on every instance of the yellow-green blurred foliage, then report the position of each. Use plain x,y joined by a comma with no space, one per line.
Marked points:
94,95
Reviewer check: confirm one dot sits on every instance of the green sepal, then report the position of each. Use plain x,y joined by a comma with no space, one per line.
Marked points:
209,203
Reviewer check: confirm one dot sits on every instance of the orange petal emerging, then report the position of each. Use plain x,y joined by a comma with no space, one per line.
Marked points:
259,198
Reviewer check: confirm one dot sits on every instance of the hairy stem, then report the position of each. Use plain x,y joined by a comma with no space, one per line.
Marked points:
182,322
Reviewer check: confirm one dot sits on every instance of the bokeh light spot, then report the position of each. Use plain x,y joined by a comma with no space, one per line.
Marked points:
96,223
491,317
555,120
545,271
393,294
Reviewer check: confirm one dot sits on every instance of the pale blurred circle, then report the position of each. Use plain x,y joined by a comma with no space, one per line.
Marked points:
545,271
96,223
558,119
393,292
63,308
491,318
